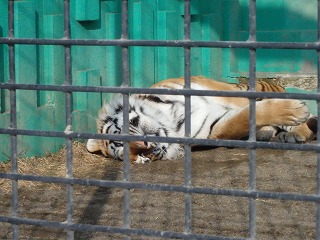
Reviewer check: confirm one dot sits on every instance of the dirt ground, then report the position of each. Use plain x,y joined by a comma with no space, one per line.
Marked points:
277,170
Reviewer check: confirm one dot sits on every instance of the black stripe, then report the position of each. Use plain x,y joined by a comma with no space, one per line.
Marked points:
118,109
215,122
156,99
116,143
107,119
142,110
179,124
135,121
203,122
108,128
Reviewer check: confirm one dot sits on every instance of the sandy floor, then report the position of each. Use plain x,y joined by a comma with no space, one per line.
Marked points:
277,170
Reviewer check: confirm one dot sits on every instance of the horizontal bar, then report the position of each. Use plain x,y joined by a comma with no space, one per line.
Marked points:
109,229
162,43
180,140
185,92
163,187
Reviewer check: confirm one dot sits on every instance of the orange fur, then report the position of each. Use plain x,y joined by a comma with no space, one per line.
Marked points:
269,112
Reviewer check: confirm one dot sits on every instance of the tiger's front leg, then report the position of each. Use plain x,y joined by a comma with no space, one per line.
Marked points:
303,133
271,112
166,151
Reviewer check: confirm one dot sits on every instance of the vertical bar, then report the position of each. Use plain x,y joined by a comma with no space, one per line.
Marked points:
252,119
126,82
68,97
318,132
13,118
187,148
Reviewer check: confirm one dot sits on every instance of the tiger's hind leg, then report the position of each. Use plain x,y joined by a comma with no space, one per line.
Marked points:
271,112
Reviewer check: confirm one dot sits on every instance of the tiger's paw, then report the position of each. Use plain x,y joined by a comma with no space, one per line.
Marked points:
285,112
297,112
142,160
291,137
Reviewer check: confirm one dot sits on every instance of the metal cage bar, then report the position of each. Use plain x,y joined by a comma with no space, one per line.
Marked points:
187,44
318,127
126,83
13,119
163,43
68,97
252,118
187,148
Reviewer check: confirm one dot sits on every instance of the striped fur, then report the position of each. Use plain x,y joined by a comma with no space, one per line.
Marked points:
211,117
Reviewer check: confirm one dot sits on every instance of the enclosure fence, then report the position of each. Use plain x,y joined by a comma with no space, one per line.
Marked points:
187,188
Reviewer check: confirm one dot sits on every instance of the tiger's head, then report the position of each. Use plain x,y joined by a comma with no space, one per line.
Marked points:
110,121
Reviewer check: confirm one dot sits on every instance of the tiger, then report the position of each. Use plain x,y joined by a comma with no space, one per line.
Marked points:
212,117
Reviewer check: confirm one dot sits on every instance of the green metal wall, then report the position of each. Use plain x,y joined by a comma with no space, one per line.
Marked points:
278,20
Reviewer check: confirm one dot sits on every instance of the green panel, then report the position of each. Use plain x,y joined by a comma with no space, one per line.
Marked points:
4,94
113,6
168,26
211,57
136,53
52,65
34,64
169,5
312,105
267,10
25,64
277,21
206,61
232,28
82,100
3,48
86,105
4,77
5,139
41,119
49,7
87,10
300,15
141,15
113,54
211,20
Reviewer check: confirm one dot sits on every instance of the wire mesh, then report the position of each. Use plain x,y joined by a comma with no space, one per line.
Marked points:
252,194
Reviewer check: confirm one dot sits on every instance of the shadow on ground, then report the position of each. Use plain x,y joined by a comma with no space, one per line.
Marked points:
277,171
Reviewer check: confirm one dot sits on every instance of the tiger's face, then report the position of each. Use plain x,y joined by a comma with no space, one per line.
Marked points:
140,123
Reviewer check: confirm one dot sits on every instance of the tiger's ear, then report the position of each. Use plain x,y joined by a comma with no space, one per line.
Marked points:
95,145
